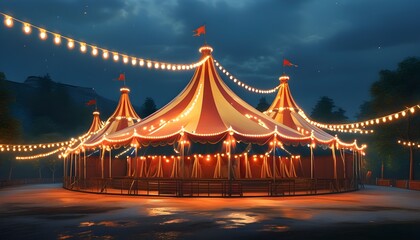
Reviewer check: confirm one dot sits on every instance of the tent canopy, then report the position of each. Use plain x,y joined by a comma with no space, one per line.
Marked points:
206,111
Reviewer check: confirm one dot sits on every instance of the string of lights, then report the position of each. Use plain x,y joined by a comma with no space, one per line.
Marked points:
32,147
96,50
41,155
408,143
356,126
241,84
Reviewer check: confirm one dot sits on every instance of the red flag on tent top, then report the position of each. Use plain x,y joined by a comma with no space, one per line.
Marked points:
121,77
288,63
91,102
199,31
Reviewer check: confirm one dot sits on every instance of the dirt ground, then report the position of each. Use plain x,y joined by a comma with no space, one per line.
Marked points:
46,211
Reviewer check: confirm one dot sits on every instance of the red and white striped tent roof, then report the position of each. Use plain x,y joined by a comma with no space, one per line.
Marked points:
284,110
206,111
123,117
96,124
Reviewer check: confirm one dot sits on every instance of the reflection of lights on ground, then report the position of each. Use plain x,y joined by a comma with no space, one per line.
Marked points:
86,224
275,228
114,224
160,211
238,219
177,220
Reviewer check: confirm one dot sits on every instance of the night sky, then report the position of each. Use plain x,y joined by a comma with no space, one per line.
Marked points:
340,46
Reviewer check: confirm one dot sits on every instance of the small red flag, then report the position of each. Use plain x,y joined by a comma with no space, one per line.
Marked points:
121,77
288,63
91,102
199,31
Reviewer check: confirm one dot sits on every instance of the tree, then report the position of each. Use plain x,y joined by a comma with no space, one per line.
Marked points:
263,105
394,90
9,126
324,111
148,107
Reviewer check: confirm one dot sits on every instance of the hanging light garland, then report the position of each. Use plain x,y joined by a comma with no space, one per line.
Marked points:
356,126
95,50
32,147
42,155
409,144
123,152
241,84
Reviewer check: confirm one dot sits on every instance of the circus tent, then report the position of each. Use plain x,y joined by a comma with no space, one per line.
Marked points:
95,125
284,110
206,111
123,117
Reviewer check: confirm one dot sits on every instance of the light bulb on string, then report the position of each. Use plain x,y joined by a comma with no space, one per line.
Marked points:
94,51
83,47
57,39
125,59
115,57
141,62
42,34
8,21
133,61
105,54
70,44
26,28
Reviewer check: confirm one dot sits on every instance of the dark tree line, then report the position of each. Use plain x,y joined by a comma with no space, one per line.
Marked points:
325,111
9,126
394,90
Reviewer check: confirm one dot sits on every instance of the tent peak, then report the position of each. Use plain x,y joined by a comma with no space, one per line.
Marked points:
124,90
205,50
284,78
95,113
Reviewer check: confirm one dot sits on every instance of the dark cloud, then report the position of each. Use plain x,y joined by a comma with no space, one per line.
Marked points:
378,24
340,46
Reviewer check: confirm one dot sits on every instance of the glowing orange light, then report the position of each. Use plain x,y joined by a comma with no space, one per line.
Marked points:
8,21
42,34
27,28
70,44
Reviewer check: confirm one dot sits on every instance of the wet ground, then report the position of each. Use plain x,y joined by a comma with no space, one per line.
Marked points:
47,211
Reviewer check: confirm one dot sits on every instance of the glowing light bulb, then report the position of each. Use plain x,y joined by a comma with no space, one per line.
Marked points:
125,59
94,51
115,57
8,21
412,110
149,64
43,34
133,61
156,65
105,54
141,62
57,39
27,28
70,44
82,47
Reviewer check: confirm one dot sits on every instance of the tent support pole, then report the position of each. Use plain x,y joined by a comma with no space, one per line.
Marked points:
312,162
84,165
110,163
